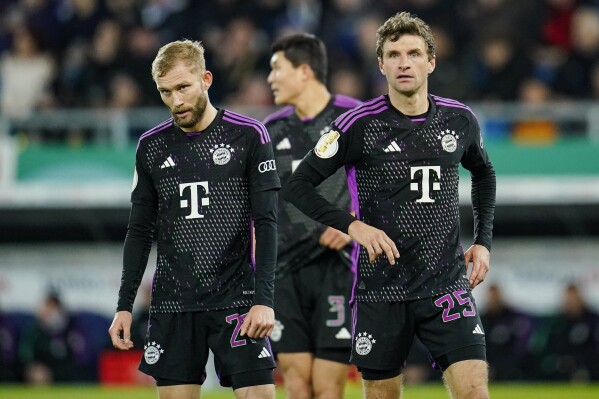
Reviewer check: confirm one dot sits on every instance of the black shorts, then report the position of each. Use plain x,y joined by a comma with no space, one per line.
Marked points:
448,325
177,345
312,311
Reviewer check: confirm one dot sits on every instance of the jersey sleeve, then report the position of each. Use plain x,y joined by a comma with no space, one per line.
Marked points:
262,167
143,191
332,151
484,184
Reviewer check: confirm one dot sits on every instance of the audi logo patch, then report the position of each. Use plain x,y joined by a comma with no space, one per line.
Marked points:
267,166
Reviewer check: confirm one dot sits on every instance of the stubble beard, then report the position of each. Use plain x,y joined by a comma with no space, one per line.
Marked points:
197,112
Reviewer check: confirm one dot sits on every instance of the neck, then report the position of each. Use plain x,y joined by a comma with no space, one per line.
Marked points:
416,104
209,115
312,101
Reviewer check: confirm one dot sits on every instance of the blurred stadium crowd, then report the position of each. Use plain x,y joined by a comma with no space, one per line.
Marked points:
97,53
58,345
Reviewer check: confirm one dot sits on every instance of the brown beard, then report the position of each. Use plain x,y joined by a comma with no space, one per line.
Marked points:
197,112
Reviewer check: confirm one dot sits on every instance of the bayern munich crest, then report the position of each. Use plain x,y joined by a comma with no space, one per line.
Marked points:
152,352
364,342
277,331
221,153
449,140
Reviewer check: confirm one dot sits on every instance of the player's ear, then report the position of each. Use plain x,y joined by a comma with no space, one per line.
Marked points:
207,79
381,66
431,65
307,71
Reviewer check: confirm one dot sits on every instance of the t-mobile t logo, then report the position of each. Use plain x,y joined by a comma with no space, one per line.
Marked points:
426,175
194,189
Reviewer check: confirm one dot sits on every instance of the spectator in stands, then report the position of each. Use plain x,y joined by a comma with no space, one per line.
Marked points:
573,78
26,75
449,81
10,367
500,68
568,341
507,332
48,347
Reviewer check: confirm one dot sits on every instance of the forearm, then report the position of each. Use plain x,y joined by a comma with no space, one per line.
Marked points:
264,215
483,204
136,251
300,190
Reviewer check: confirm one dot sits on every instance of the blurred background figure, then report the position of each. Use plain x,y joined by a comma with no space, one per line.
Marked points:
567,344
49,346
26,75
507,332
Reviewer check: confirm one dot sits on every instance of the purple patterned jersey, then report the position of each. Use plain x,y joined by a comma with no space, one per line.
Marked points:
292,138
200,185
403,178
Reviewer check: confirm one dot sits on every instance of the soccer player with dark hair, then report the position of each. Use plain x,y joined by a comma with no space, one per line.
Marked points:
402,153
312,335
202,179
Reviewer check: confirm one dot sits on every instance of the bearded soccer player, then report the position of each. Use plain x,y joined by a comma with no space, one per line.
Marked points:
201,179
312,335
402,153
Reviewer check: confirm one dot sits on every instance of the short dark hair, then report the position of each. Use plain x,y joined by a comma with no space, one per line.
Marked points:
404,23
304,48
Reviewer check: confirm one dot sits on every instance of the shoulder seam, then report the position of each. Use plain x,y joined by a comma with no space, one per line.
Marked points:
348,118
279,114
239,119
156,129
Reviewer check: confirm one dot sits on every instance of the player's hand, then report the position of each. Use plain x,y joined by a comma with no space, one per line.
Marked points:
259,322
376,241
334,239
120,330
480,258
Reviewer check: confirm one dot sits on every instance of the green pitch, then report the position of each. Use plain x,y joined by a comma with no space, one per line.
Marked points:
353,391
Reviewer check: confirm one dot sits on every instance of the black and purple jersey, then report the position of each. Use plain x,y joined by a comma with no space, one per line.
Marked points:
403,177
292,138
200,185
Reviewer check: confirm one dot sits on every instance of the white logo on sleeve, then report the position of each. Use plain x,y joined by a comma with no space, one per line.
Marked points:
267,166
427,172
478,330
135,179
152,352
327,145
194,198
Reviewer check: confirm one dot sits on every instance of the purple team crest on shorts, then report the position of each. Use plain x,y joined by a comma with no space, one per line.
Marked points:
364,342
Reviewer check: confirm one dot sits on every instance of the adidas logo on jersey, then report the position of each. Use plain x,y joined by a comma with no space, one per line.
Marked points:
478,330
284,144
264,353
343,334
168,163
393,147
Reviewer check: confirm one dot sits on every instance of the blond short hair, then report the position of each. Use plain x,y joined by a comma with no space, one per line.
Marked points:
188,51
404,23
